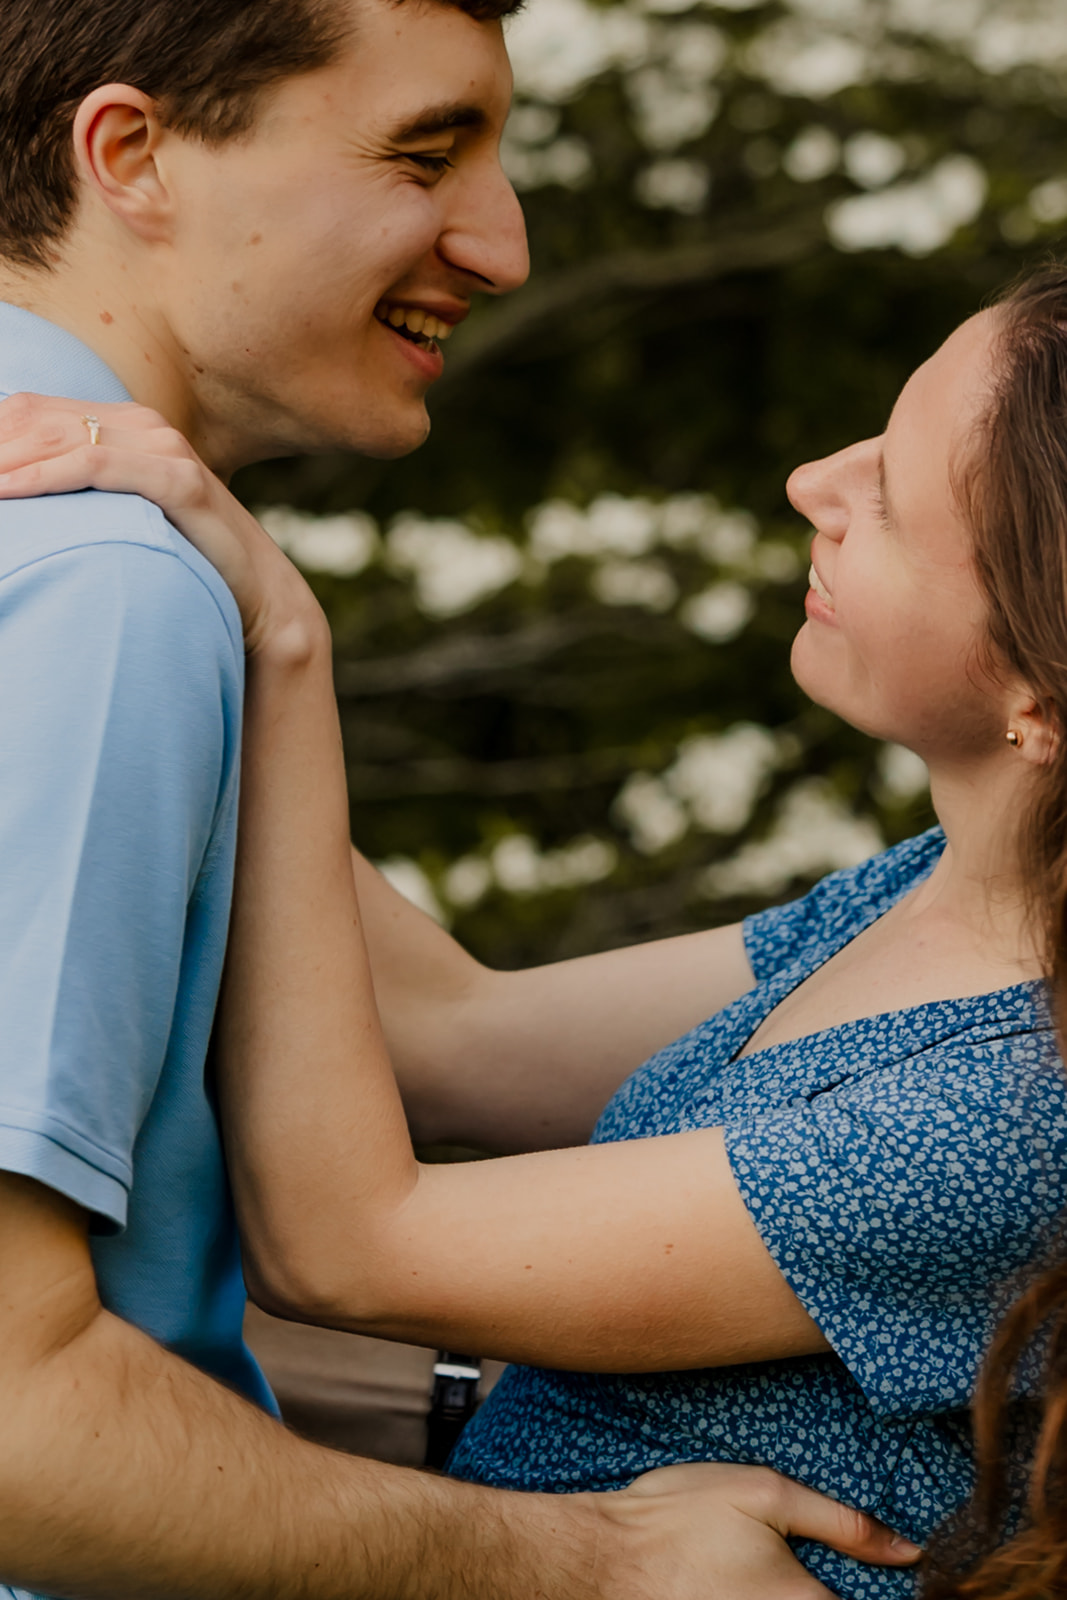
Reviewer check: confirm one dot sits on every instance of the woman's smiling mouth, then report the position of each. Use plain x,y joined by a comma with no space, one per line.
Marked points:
819,602
820,588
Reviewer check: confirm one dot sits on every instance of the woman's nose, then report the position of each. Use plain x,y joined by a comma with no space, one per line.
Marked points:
821,490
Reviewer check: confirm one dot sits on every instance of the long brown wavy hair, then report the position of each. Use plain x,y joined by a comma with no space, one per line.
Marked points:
1013,490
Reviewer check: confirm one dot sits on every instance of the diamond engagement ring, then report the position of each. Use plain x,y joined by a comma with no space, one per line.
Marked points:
93,425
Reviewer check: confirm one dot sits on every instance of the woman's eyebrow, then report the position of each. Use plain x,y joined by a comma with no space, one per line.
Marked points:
439,119
883,489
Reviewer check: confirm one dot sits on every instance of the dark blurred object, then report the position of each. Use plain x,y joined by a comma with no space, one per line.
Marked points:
452,1404
368,1397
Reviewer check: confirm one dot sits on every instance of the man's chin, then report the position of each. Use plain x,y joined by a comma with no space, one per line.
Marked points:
394,448
379,438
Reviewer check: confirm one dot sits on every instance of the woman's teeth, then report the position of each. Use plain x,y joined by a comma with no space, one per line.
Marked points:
415,324
820,588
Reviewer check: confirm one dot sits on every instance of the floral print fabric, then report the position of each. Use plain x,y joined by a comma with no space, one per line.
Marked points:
900,1169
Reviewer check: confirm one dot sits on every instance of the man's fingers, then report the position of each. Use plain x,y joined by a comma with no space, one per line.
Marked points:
806,1515
789,1508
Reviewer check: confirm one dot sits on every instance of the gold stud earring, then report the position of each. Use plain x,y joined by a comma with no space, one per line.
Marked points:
1014,738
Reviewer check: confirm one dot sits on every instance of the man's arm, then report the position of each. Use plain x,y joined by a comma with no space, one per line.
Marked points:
126,1474
519,1061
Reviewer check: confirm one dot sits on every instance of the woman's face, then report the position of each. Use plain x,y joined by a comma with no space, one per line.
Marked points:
894,613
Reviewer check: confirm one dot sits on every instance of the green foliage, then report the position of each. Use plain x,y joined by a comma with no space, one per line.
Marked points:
748,224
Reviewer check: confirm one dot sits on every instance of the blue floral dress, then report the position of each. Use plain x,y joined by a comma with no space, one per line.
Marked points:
900,1169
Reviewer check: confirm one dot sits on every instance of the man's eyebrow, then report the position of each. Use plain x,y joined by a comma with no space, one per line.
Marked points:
439,119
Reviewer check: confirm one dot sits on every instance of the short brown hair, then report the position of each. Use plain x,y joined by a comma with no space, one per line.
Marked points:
205,62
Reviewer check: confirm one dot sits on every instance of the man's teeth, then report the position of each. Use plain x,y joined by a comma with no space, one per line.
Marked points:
416,321
820,588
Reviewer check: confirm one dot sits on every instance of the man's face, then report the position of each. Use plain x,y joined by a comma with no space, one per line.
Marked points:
370,188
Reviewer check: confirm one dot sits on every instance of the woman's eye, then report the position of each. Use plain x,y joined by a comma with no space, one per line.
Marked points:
878,502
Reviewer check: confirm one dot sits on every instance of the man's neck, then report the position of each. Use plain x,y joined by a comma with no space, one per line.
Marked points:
128,335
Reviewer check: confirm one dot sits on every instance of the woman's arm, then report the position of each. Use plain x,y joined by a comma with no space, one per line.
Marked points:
516,1061
617,1257
612,1258
505,1061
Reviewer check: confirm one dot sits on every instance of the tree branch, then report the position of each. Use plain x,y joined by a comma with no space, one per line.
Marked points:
463,662
449,775
633,272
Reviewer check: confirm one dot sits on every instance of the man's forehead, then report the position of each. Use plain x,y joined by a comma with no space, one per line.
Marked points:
421,68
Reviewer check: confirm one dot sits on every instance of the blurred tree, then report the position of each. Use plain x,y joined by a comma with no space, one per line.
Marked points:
564,678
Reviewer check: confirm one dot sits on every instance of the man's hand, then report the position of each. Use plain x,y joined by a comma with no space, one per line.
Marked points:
714,1532
126,1474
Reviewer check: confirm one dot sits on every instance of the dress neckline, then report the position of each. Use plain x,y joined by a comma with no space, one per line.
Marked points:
1024,1003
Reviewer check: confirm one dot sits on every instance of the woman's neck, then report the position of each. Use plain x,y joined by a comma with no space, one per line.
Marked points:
978,883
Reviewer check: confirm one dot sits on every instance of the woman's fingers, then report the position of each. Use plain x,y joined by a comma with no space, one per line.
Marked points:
54,442
50,434
21,410
58,446
21,413
40,427
51,445
171,482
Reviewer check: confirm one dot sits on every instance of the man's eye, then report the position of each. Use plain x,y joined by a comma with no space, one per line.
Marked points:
436,164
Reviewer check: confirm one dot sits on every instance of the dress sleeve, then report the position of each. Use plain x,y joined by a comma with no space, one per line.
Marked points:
113,743
773,937
900,1203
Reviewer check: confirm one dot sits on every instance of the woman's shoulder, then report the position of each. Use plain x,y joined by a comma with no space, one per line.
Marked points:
839,906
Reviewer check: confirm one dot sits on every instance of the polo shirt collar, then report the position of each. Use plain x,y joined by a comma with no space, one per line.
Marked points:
38,357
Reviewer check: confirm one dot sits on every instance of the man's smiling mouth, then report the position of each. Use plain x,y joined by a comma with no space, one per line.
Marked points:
414,324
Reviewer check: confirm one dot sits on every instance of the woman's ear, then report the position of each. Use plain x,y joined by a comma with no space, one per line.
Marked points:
116,138
1034,730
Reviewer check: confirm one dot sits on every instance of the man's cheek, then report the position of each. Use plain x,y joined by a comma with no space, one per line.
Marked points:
408,231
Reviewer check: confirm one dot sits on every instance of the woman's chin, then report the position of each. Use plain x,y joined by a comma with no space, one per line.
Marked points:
812,671
827,682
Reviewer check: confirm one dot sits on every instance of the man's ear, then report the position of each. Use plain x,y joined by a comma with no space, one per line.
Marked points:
116,138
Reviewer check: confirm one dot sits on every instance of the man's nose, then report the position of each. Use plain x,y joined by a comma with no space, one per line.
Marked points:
486,238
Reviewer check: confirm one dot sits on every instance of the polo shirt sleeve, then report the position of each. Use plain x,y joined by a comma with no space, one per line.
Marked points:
901,1202
113,739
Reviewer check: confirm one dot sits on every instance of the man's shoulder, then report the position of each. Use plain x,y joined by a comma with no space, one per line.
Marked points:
89,530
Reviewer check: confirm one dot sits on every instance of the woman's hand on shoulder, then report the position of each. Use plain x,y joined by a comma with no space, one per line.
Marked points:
59,446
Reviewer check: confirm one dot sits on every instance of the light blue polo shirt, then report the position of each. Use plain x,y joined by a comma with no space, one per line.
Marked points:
121,664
